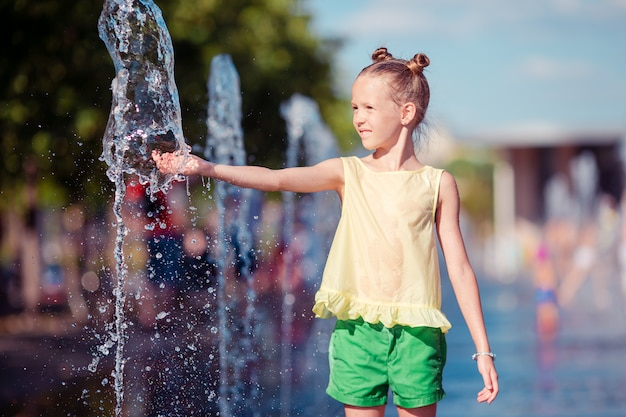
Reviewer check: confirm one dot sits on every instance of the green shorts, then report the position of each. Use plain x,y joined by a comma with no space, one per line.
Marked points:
366,360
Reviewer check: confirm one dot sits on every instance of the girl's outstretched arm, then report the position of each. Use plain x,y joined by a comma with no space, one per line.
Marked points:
464,281
327,175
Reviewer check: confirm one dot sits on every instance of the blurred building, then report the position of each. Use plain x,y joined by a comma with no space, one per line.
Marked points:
528,161
586,166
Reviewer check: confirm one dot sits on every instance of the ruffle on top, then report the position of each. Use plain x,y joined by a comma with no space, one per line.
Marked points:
334,304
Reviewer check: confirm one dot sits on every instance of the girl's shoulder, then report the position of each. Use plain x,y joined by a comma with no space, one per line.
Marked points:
332,167
447,186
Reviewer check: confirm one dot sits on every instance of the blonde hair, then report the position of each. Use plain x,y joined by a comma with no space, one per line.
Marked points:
405,78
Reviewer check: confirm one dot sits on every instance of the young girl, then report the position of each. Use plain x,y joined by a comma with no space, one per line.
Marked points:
381,279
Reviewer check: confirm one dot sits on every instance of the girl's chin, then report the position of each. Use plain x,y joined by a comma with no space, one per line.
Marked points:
366,143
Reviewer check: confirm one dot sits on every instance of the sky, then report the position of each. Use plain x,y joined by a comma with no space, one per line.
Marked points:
498,67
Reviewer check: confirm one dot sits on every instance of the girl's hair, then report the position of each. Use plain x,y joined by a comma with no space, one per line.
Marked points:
406,78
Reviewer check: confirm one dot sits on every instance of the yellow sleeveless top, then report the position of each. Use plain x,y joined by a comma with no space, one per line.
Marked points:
383,264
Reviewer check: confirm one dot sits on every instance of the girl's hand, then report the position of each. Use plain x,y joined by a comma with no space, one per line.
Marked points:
178,162
487,369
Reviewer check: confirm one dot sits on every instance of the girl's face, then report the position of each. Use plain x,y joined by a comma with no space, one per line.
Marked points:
375,116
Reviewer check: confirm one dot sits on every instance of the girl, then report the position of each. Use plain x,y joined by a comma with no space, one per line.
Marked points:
381,279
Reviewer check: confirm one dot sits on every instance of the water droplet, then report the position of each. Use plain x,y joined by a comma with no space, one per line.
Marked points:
162,315
93,366
289,299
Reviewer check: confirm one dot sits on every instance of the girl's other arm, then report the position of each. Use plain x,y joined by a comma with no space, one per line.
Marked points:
327,175
464,281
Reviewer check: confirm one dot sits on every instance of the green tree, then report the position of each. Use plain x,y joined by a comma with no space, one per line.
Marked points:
475,176
56,73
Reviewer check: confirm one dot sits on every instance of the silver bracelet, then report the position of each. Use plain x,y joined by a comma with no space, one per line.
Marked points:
477,354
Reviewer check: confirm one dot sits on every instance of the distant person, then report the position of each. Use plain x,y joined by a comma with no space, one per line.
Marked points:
545,283
382,278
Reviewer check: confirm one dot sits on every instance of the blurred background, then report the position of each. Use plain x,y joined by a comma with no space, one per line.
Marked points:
528,111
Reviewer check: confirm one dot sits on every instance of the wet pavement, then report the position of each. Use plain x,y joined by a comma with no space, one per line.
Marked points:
582,372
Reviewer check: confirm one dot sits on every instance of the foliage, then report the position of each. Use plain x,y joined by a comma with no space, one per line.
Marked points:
475,181
56,74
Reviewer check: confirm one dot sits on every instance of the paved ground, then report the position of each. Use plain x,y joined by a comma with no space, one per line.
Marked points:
582,373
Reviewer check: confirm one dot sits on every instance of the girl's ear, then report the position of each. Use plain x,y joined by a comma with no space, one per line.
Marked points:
408,113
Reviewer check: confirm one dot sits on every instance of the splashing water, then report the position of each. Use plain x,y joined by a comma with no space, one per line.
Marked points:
145,115
224,145
145,111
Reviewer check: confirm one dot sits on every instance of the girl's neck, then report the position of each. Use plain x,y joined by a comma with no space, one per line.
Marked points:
397,158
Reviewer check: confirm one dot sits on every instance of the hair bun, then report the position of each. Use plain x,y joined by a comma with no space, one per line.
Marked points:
418,63
381,54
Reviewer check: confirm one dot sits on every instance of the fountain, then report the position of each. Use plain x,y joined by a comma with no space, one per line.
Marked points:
145,111
309,142
584,174
235,252
307,137
145,115
582,235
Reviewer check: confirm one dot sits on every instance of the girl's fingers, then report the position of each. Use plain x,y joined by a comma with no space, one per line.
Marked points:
486,395
490,379
490,391
166,162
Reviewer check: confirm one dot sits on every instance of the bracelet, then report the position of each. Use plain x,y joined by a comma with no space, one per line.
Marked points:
477,354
